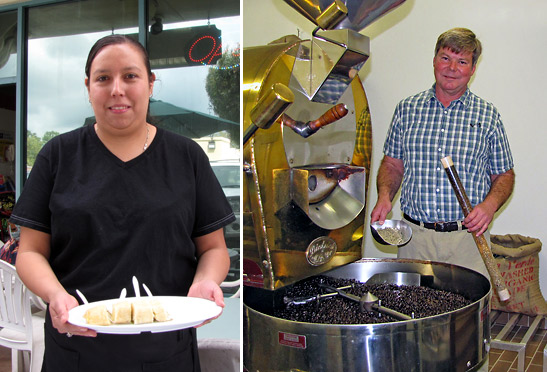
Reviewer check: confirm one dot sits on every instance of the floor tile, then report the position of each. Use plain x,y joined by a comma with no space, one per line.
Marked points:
501,366
534,368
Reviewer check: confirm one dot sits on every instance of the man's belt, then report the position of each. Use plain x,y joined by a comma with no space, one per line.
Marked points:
437,226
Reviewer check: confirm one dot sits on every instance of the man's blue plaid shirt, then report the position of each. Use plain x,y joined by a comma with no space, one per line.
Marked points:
423,132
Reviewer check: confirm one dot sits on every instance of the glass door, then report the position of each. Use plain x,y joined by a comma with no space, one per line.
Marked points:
8,71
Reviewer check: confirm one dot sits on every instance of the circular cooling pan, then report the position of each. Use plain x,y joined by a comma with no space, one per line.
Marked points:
454,341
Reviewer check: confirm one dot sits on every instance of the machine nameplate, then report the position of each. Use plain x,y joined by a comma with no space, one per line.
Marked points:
320,251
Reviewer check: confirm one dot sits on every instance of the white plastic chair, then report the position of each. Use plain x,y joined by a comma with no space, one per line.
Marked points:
22,331
219,355
235,283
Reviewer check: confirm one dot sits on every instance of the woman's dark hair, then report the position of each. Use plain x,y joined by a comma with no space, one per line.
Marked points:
114,40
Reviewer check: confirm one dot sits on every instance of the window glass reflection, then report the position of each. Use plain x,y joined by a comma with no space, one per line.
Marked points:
201,76
8,44
60,37
8,70
194,52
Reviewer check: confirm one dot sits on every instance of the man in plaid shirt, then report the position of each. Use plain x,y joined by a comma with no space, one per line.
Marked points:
446,120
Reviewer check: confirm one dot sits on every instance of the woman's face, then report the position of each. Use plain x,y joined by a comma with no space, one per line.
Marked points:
119,87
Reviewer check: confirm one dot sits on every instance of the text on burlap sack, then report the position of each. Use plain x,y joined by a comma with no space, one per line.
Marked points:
517,275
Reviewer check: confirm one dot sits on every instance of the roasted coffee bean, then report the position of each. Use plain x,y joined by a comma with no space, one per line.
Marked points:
420,300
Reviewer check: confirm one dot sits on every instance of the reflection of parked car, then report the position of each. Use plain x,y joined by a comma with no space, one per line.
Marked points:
228,174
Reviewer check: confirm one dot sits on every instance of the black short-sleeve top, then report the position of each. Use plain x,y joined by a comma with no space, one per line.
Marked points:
111,220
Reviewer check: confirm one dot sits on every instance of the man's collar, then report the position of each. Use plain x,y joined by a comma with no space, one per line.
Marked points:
464,98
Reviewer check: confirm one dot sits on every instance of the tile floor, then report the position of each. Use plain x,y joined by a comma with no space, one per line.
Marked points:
507,361
500,360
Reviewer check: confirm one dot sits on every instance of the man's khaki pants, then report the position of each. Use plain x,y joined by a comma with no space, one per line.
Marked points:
455,247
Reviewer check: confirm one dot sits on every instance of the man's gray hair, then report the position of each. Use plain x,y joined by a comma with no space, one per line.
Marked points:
460,40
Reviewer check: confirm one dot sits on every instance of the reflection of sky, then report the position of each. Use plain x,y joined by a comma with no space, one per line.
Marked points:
57,96
10,68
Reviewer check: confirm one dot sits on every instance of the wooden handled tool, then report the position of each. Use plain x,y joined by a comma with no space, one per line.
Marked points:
482,245
333,114
307,129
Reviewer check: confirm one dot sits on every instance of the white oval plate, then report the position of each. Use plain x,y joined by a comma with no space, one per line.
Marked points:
185,312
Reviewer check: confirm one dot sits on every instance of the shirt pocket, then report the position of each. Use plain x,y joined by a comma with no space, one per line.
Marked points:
470,140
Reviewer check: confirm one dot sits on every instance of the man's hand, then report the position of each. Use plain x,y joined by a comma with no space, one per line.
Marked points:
380,211
388,181
482,214
479,219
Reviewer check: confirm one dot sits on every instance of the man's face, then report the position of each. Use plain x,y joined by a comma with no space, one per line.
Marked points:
452,72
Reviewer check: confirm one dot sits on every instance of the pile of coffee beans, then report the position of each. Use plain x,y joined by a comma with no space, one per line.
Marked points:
407,299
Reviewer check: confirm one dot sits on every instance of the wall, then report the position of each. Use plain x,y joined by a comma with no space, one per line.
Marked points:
221,151
511,74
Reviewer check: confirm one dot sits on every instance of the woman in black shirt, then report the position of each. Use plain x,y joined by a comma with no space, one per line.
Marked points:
118,199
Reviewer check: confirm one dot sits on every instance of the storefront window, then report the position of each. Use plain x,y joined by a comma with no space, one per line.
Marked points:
194,52
8,45
197,65
8,70
60,37
195,56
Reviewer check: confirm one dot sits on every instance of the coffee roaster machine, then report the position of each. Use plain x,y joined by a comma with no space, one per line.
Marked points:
306,160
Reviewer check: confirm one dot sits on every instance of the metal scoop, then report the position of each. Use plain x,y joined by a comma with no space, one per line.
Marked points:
305,299
368,302
396,232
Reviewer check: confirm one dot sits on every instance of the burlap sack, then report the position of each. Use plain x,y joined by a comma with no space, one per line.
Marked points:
518,261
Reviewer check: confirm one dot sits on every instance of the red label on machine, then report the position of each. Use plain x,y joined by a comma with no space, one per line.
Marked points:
292,340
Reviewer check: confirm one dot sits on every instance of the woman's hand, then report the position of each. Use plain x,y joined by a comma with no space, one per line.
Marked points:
208,290
59,306
34,270
213,265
